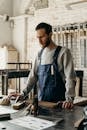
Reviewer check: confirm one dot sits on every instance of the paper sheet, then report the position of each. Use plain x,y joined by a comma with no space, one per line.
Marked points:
6,110
32,123
2,126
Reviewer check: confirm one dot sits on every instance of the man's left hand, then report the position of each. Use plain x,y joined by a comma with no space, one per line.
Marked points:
67,105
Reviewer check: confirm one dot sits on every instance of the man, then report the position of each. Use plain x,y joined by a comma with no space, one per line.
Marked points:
53,70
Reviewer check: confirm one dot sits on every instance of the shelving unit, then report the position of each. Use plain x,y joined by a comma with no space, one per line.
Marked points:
74,37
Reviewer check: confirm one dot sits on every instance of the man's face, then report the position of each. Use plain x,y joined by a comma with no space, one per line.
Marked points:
44,39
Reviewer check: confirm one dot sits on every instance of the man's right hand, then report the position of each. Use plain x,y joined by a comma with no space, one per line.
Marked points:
19,98
16,96
13,94
5,101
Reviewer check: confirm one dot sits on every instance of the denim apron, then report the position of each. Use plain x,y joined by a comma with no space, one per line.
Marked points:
51,85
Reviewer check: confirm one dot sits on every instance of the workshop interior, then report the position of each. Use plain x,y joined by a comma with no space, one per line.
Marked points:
19,48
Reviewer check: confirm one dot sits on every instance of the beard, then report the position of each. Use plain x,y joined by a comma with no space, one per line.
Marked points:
47,43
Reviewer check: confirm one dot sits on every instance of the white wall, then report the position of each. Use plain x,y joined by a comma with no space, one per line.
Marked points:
6,7
5,29
19,6
5,33
18,36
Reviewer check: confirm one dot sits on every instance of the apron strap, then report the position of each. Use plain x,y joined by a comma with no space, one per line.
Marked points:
39,54
56,53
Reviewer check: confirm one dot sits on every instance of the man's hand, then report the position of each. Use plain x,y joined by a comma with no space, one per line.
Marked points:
13,94
67,105
5,101
19,98
16,96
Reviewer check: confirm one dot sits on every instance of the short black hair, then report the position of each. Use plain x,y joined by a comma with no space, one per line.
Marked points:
47,27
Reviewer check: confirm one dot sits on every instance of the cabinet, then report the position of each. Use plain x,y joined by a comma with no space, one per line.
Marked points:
8,53
13,56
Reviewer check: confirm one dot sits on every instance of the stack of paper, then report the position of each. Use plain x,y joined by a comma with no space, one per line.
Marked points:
32,123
